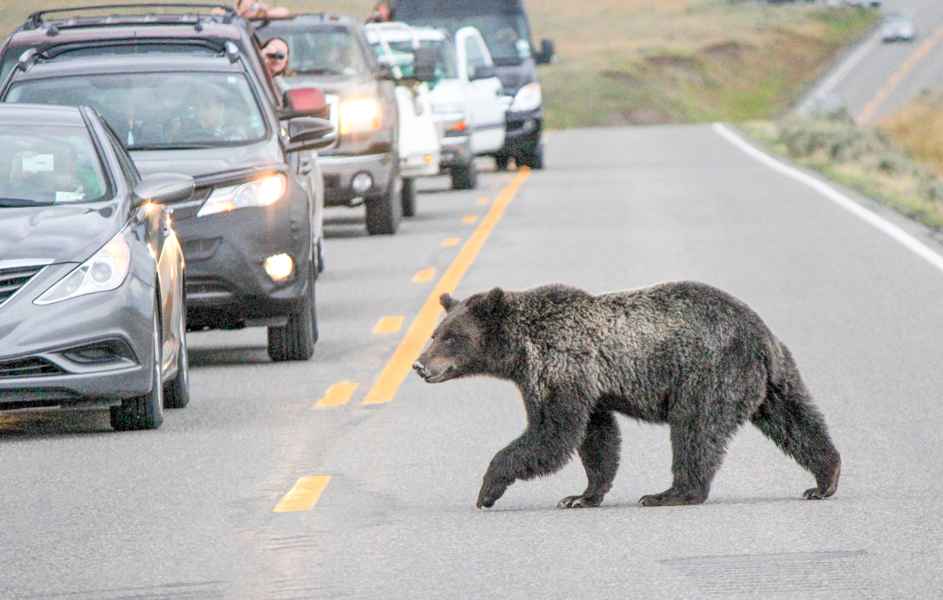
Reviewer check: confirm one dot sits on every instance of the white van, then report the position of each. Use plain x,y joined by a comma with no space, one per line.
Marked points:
466,96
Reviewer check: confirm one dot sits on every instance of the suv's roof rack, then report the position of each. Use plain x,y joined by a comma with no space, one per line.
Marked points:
53,51
38,19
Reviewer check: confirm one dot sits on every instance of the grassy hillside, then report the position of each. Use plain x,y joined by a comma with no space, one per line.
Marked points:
918,128
657,61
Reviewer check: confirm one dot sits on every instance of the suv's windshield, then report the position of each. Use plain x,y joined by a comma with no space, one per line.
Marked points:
48,165
404,54
507,35
154,111
323,51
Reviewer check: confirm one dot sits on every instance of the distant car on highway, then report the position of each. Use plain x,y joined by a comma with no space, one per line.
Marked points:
419,146
250,233
92,308
898,28
505,28
362,166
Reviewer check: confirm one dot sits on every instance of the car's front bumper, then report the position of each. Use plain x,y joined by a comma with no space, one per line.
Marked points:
339,171
523,132
227,284
34,336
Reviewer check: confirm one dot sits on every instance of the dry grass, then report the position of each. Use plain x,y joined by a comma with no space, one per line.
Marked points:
654,61
863,159
918,128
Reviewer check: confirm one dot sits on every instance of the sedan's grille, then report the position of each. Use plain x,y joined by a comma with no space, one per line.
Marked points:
28,367
14,278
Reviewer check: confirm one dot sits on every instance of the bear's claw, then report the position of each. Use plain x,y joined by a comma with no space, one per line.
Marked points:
814,494
672,498
581,501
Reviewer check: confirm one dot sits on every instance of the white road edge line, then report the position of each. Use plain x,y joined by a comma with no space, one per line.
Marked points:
878,222
839,73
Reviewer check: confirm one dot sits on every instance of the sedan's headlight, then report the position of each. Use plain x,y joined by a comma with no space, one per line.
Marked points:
528,97
360,115
103,272
261,192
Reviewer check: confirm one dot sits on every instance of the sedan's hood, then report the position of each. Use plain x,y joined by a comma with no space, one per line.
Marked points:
63,233
206,161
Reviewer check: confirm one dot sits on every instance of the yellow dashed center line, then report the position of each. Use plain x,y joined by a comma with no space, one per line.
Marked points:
470,219
922,51
338,394
388,325
398,367
424,276
451,242
303,495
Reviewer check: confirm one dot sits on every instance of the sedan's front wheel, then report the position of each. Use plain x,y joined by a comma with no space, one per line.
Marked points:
177,391
147,411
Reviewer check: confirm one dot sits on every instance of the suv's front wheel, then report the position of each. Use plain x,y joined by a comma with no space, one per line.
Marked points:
385,211
465,177
296,339
409,197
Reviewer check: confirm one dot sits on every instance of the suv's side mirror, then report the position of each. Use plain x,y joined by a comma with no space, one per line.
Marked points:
304,102
547,52
309,133
163,188
483,72
424,64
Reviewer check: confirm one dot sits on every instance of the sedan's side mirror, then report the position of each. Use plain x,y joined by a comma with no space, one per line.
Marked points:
304,102
309,133
483,72
163,188
424,64
547,52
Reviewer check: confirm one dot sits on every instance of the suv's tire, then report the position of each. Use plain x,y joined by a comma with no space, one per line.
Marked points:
384,211
465,177
177,390
535,159
296,339
147,411
501,162
409,197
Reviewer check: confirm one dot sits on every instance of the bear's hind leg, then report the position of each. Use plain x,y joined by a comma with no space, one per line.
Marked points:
600,455
793,423
697,453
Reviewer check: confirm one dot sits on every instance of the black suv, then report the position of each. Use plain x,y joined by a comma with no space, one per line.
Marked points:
332,53
249,233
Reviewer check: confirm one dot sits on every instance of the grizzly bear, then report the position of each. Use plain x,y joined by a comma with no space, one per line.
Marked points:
682,353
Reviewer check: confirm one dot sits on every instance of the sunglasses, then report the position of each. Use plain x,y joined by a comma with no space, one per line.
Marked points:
276,56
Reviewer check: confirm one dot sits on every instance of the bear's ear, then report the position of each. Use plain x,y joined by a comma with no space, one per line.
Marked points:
493,305
448,302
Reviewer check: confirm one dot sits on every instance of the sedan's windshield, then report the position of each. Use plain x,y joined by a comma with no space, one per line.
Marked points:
322,51
42,165
152,111
507,35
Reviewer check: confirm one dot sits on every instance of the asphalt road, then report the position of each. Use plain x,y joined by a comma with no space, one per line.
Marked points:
188,512
876,80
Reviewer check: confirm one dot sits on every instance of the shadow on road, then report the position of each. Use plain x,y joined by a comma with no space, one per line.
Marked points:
26,426
228,356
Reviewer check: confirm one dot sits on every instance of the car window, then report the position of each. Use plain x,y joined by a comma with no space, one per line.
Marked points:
474,56
124,160
320,51
49,165
445,67
205,110
506,35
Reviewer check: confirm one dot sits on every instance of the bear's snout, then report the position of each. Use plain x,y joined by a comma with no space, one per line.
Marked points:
431,375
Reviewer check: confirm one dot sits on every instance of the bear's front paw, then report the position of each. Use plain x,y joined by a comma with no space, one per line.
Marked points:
491,490
581,501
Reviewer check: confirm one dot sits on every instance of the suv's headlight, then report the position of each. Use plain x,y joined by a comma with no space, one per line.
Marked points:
527,98
261,192
360,115
103,272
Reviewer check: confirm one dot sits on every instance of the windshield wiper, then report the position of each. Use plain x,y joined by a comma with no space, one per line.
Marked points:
171,147
20,202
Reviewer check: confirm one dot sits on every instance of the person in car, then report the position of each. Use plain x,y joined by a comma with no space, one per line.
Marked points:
275,52
382,12
256,10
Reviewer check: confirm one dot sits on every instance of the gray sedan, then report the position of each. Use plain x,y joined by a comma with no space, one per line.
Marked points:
92,309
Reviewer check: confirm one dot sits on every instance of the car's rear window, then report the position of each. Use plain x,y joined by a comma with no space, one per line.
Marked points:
322,51
48,165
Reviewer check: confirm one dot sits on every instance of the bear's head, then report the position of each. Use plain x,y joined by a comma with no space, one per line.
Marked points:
469,340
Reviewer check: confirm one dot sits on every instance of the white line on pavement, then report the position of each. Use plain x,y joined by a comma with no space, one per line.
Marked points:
837,75
878,222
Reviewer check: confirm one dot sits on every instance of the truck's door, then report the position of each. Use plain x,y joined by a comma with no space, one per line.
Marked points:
487,111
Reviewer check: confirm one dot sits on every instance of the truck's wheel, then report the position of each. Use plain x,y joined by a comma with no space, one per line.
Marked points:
384,211
465,177
535,159
501,162
409,197
296,339
147,411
